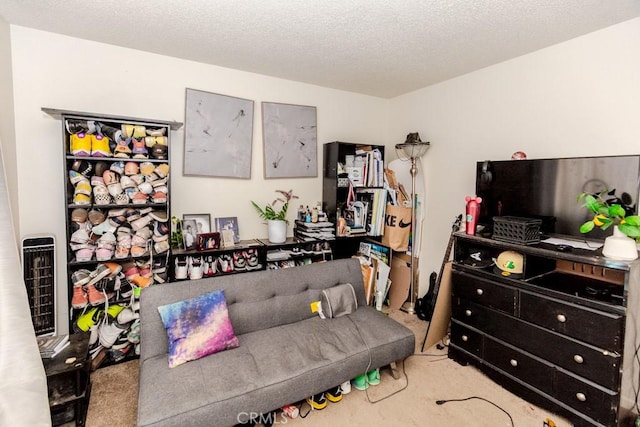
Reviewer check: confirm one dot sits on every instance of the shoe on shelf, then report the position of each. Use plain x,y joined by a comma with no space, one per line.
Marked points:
156,132
102,270
196,268
131,169
80,144
317,401
360,382
373,377
122,149
100,146
159,151
334,394
109,333
89,318
181,271
134,332
162,170
94,296
239,261
226,263
76,177
79,299
80,277
77,126
139,150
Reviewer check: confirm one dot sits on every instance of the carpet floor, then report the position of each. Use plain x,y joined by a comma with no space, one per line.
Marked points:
408,401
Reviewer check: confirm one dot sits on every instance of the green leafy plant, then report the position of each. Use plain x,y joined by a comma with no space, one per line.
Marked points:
609,212
270,212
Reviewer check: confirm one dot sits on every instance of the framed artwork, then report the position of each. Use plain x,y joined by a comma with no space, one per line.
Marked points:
202,221
290,140
189,234
208,241
218,134
228,223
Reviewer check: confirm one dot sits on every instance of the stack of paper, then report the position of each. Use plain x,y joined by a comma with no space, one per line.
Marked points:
314,230
50,346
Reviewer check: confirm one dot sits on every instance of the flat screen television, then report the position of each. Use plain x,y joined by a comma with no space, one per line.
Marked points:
548,189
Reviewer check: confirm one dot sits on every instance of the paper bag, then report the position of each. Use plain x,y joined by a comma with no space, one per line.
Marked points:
397,228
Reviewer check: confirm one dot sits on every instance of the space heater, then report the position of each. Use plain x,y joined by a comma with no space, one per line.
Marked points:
38,266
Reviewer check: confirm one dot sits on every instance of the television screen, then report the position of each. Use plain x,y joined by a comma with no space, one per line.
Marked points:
548,189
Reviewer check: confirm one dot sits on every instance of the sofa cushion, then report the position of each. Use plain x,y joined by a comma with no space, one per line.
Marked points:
197,327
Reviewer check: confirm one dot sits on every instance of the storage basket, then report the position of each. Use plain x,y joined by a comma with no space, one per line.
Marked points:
515,229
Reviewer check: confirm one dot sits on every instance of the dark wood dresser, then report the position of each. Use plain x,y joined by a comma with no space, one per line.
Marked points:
561,335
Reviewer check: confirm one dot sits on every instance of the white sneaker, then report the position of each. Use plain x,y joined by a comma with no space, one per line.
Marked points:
196,268
345,387
109,333
181,269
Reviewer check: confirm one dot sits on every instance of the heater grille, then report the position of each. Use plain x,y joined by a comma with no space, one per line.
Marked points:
38,266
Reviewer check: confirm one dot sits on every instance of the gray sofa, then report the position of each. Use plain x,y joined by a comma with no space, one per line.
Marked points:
286,352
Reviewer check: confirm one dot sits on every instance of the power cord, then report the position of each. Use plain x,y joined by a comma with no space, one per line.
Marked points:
404,373
442,402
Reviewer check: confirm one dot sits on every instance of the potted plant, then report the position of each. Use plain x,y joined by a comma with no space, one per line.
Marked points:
613,211
276,219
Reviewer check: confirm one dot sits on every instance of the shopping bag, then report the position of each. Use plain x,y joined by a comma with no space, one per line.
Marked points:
397,227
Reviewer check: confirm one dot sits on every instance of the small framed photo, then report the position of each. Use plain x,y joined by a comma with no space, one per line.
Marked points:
203,222
208,241
229,223
189,234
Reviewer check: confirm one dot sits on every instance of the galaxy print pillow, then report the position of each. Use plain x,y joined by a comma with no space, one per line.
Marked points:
197,327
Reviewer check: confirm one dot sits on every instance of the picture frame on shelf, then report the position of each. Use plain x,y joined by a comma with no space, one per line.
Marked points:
203,222
218,134
208,241
230,223
189,234
290,140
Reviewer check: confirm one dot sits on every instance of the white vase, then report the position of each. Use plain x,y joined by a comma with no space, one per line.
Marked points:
620,246
277,230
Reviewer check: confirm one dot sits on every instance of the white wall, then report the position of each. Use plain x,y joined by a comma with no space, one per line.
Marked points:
581,97
62,72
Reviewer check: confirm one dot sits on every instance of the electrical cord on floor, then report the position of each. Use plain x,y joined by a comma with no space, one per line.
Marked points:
442,402
404,373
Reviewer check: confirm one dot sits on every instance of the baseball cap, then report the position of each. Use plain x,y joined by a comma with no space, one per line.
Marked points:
478,258
509,264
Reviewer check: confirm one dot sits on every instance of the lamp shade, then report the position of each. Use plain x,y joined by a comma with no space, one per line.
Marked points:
413,150
413,147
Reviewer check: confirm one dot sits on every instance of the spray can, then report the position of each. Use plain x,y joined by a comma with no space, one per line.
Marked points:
473,210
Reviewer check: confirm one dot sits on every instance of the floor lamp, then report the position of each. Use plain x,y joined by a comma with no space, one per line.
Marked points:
412,149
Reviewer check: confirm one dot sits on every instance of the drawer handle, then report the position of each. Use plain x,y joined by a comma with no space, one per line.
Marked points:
465,338
561,318
577,358
581,397
513,362
467,312
479,291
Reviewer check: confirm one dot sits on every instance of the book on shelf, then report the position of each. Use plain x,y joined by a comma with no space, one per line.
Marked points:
50,346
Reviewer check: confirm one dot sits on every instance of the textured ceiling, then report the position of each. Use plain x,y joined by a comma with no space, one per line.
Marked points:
382,48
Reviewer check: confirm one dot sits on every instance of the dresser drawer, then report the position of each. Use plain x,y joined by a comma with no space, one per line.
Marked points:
595,364
466,339
484,292
525,367
604,330
599,404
